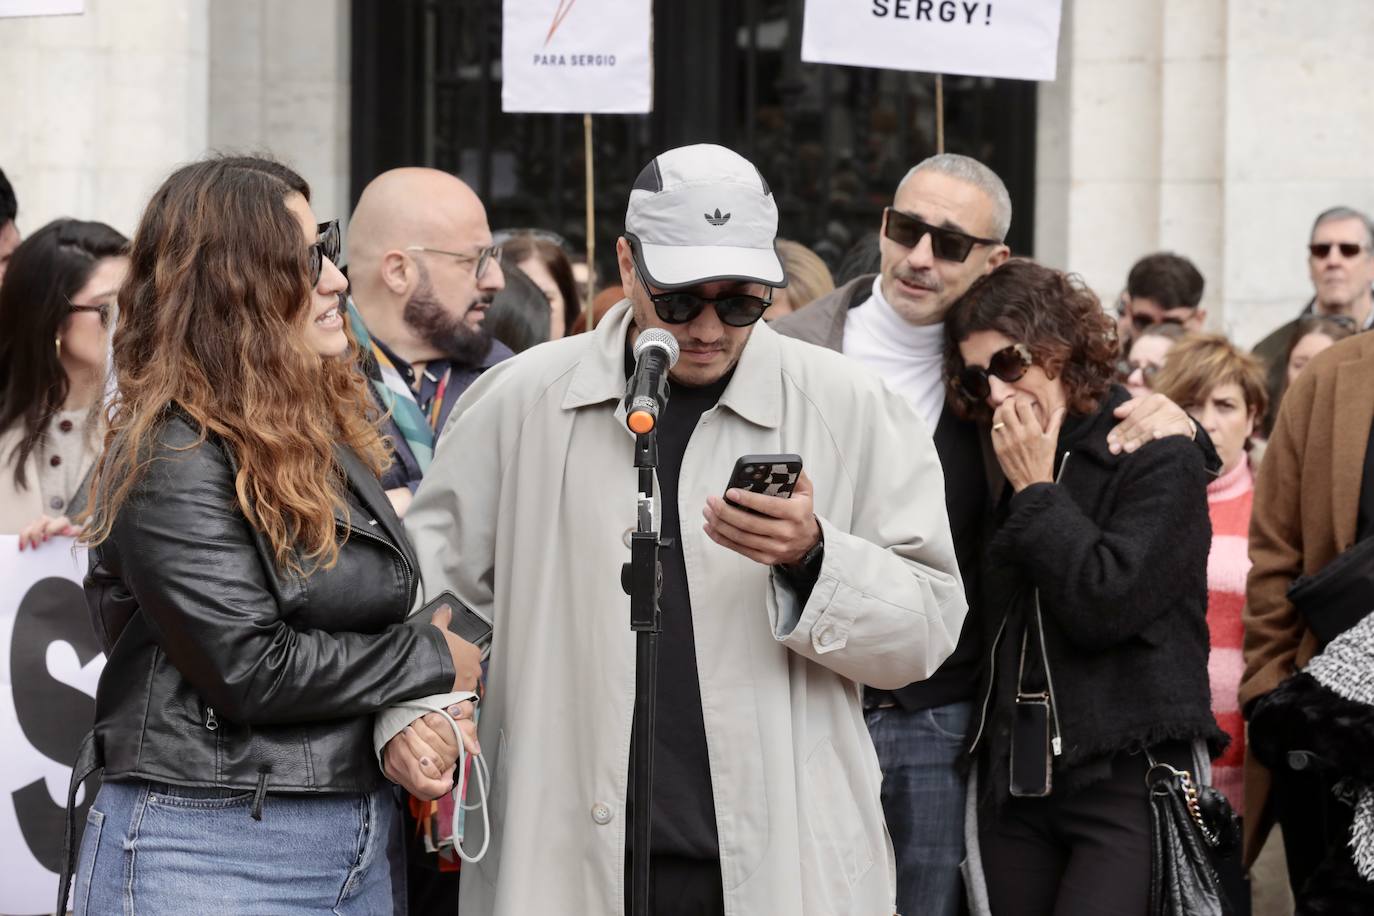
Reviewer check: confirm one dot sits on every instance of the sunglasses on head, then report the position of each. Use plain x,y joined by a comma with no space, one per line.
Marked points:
327,246
946,244
738,310
1320,250
1008,364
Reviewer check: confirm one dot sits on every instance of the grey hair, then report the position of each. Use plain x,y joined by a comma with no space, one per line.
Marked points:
1335,213
980,176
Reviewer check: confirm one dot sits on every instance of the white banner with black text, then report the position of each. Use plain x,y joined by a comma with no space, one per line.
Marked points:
1014,39
49,665
577,56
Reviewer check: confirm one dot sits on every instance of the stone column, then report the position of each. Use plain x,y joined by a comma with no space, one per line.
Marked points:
96,109
279,83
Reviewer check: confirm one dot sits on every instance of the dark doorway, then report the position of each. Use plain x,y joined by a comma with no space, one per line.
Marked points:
833,142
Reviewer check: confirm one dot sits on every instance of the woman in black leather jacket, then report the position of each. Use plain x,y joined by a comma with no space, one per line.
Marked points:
1095,589
249,580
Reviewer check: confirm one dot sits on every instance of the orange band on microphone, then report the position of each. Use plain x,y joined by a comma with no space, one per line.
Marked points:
640,421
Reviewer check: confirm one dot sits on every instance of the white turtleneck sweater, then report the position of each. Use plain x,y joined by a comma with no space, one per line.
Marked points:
909,357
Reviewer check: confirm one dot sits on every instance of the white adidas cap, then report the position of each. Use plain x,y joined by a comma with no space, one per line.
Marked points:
702,213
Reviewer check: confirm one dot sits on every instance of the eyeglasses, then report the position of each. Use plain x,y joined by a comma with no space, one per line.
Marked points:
103,309
1008,364
502,236
738,310
326,247
1125,369
1320,250
946,244
482,257
1143,322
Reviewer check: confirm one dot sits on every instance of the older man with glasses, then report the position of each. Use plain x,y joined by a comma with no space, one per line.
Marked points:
1340,261
765,791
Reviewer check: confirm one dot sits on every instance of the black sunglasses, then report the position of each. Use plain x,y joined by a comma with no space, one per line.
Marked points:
328,245
1145,322
946,244
1320,250
738,310
1009,364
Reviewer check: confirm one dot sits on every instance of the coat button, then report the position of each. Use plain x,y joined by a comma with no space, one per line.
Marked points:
826,636
601,813
55,460
56,503
65,426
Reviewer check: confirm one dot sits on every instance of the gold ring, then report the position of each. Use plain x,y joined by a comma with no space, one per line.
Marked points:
998,427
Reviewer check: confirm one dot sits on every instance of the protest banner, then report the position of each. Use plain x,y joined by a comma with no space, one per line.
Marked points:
578,56
49,665
15,8
1013,40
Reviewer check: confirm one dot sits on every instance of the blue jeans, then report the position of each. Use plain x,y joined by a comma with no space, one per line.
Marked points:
923,801
154,848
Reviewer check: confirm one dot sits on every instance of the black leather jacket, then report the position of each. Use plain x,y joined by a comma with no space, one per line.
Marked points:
225,671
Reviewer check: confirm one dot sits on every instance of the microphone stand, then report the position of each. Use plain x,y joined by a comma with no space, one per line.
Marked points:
642,579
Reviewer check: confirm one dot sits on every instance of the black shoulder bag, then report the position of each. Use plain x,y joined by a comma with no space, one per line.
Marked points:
1188,826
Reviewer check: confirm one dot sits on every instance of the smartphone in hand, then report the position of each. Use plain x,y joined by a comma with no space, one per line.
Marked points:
770,475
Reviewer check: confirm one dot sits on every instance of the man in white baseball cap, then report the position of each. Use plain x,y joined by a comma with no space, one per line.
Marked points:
766,785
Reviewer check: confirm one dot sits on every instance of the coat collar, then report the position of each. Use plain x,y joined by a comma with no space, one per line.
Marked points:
1087,435
754,392
368,489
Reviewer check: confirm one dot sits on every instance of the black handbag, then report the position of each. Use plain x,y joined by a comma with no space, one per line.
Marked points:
1188,826
1339,595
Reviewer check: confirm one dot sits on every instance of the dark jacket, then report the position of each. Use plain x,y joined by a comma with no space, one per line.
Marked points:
223,670
971,476
1118,550
405,469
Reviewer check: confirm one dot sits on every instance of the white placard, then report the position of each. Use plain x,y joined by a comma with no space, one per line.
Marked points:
41,8
1014,39
577,56
49,665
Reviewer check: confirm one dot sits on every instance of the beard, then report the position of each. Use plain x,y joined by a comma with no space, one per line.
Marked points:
453,337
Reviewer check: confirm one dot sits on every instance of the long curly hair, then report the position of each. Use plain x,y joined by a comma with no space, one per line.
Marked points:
1052,313
211,321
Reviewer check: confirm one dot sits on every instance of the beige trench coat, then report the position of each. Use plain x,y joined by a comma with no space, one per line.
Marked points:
524,514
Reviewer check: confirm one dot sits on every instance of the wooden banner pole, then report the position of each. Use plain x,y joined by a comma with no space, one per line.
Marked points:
939,113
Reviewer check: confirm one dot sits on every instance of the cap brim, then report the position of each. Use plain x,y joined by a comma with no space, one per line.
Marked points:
676,266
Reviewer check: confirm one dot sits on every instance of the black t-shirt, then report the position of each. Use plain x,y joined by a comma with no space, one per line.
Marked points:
684,821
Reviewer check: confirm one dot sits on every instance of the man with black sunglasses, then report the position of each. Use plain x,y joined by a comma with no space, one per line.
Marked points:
765,783
1340,261
945,229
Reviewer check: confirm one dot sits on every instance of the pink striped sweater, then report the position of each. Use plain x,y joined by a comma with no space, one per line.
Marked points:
1229,499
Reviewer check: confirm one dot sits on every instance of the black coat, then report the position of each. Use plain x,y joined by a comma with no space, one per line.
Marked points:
1118,550
223,670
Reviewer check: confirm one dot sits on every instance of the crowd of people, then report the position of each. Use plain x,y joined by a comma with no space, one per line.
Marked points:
1040,551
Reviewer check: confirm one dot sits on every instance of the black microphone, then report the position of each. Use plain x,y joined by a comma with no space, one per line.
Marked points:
656,351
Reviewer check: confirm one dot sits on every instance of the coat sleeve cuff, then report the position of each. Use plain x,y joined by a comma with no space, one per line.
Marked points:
823,612
391,721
